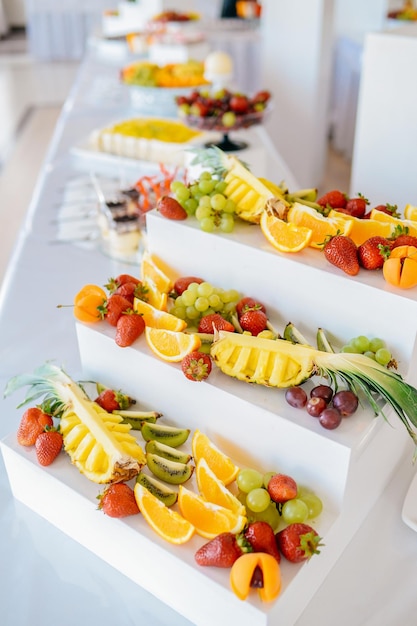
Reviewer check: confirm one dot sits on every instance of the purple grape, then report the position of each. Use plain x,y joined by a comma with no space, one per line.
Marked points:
296,397
322,391
330,418
346,402
316,406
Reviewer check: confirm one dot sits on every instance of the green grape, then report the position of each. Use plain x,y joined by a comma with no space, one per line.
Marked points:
229,207
206,186
227,223
201,304
205,289
248,479
314,504
376,343
189,297
221,186
258,500
176,185
205,175
205,348
267,477
360,343
294,511
193,287
205,201
214,300
190,206
182,194
179,301
194,190
207,224
228,119
348,348
192,313
203,212
370,355
383,356
218,201
179,311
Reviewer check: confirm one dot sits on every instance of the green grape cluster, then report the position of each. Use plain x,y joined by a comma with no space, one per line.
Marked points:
375,348
253,493
205,199
201,299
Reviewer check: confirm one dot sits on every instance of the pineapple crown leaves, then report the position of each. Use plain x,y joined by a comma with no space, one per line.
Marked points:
212,158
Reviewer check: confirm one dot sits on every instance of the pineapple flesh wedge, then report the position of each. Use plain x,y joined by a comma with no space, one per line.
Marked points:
98,443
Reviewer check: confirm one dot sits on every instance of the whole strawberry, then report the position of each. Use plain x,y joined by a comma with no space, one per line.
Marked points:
120,280
389,209
281,488
356,207
222,551
334,199
342,252
196,366
214,321
129,327
114,307
171,208
48,445
248,303
182,284
118,500
373,252
298,542
253,321
262,538
130,291
111,400
404,240
31,425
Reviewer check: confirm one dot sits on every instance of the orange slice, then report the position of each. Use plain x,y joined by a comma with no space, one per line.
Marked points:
321,227
363,229
222,466
156,318
170,345
284,236
208,519
382,217
152,272
213,490
410,212
166,522
155,297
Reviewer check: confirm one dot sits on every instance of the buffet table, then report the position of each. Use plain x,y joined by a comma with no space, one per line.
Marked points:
49,579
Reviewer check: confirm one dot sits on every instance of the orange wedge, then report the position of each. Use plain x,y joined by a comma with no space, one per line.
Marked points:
155,297
166,522
321,227
222,466
213,490
152,272
410,212
409,224
170,345
156,318
284,236
208,519
363,229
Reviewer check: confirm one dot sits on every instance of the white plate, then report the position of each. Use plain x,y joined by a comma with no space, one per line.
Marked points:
409,512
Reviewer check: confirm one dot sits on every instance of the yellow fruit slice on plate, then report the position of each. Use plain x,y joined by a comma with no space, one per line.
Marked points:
410,212
166,522
284,236
363,229
208,519
170,345
222,466
156,298
213,490
152,271
156,318
322,227
409,224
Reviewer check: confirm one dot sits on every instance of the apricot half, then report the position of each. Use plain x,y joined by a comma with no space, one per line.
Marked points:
242,571
400,269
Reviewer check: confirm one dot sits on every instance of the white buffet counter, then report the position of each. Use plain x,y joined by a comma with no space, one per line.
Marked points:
47,578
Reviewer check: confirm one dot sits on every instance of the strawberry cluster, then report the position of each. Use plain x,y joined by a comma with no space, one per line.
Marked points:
37,429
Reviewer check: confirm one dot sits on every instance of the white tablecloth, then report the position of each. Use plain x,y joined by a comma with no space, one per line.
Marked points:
48,579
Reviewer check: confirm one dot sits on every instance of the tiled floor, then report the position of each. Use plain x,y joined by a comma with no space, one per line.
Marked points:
31,96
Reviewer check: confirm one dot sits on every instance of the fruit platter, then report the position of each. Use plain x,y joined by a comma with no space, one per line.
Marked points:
215,362
223,111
